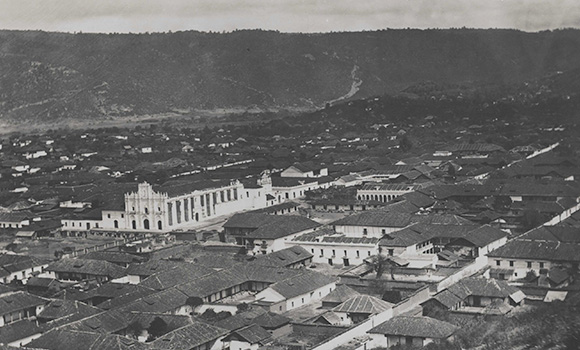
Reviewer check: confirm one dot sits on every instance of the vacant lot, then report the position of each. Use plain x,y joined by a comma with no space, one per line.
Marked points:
45,247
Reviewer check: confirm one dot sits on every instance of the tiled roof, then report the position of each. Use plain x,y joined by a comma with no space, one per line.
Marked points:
284,257
270,320
292,181
388,187
378,218
447,298
424,327
114,257
179,274
182,187
61,308
553,233
18,330
341,294
19,301
60,339
10,263
484,235
253,334
364,304
480,286
302,284
538,250
271,226
90,267
188,337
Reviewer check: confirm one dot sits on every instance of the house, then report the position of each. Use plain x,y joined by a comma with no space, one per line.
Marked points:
43,286
384,192
19,267
374,223
277,325
290,188
416,242
266,233
330,247
338,296
292,257
84,269
477,295
250,337
58,339
308,169
14,219
536,251
197,336
20,333
410,330
349,180
20,306
296,291
359,308
58,309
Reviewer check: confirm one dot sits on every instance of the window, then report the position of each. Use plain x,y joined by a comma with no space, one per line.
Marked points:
292,304
108,216
146,210
302,300
529,264
391,252
345,253
511,263
541,265
365,231
333,253
357,254
369,253
122,216
383,231
321,252
498,263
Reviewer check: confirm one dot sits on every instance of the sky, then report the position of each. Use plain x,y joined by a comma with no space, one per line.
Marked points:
108,16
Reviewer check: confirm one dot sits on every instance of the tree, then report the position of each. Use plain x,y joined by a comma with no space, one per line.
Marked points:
157,328
242,307
194,302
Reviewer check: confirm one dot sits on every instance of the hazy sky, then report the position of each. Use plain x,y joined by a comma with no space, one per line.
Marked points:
284,15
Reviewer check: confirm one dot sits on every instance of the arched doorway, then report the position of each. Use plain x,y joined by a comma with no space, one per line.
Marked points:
116,224
146,224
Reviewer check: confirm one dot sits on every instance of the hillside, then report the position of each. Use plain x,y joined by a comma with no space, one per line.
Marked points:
55,76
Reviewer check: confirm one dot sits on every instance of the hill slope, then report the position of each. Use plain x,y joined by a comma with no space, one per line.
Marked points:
49,76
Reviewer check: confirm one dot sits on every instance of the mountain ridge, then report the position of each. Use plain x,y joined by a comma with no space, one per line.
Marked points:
54,76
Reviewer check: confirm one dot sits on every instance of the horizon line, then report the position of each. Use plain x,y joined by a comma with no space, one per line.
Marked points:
288,32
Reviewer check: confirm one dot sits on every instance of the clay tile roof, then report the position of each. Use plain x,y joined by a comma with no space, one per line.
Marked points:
364,304
424,327
188,337
341,294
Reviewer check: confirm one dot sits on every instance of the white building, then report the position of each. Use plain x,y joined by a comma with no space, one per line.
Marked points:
383,192
178,205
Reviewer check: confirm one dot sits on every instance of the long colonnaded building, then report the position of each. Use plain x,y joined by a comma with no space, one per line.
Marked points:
174,206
